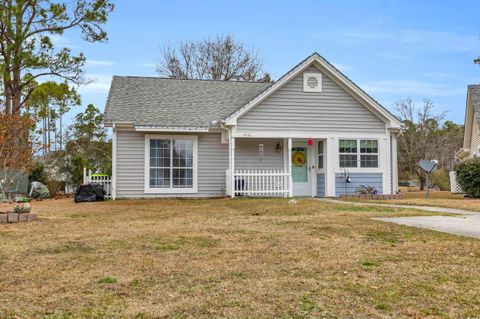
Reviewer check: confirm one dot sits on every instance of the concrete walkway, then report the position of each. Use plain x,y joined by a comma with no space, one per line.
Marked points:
467,224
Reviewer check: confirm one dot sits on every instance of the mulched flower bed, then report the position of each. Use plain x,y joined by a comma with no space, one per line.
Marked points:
373,196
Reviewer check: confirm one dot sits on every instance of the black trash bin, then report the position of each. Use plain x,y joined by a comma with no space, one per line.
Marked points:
90,193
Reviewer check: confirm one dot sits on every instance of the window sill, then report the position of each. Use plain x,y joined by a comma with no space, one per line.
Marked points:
170,191
359,170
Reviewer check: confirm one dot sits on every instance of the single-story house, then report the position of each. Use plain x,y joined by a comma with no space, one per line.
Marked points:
471,137
313,132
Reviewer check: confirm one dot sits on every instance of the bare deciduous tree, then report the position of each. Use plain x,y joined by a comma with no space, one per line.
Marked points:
15,151
425,137
219,58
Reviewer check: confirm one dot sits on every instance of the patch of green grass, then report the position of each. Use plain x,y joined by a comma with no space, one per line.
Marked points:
107,280
173,244
167,247
370,263
306,309
385,236
383,306
78,215
66,247
368,209
432,311
238,274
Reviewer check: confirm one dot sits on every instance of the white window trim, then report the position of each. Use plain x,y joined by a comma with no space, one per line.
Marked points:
151,190
358,168
321,170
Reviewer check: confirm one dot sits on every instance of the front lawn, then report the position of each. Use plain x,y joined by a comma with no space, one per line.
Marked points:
437,198
232,259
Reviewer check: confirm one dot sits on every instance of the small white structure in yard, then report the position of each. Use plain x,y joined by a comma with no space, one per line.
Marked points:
102,179
454,187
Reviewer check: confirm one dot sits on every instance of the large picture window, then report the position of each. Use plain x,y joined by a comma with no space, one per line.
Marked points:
358,153
170,164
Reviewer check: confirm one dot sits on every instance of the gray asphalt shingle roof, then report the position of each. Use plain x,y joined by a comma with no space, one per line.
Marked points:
160,102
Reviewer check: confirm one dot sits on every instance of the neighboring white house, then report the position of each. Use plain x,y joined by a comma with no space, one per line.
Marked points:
299,136
471,138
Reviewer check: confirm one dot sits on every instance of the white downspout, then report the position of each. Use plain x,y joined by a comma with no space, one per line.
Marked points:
114,162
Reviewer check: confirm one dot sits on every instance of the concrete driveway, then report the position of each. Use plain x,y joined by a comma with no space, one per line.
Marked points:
466,223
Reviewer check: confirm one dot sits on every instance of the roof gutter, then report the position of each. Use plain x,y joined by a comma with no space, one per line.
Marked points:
152,128
118,124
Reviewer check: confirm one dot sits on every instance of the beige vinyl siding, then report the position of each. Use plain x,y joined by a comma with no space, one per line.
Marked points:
212,164
247,154
290,109
475,136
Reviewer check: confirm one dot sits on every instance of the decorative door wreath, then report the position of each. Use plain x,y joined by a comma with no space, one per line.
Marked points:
298,159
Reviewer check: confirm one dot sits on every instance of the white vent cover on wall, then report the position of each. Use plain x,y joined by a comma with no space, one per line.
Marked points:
312,82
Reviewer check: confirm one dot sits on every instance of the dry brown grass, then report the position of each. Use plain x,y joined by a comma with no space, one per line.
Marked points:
232,259
437,198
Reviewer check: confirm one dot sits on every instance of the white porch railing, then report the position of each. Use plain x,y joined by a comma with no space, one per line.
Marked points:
259,182
102,179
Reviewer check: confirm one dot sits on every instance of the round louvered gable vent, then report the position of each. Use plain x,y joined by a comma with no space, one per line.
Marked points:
312,82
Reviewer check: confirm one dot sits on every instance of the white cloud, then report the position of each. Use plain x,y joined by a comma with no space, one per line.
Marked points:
62,41
404,43
100,83
99,63
412,87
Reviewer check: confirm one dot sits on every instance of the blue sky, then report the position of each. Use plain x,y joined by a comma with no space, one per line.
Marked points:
392,49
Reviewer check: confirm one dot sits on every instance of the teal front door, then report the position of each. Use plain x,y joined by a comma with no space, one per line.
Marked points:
300,173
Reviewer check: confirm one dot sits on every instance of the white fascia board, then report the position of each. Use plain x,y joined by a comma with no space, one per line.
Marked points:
467,135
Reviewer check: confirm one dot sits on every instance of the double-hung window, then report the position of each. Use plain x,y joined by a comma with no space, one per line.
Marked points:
348,152
358,153
170,164
369,153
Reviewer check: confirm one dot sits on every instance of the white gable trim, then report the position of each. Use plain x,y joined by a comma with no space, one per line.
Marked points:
469,117
359,94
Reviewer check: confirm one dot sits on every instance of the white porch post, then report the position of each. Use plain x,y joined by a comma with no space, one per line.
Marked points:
285,164
385,160
114,164
232,166
330,168
394,163
289,158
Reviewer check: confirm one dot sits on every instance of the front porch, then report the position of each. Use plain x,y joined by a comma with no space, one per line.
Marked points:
268,167
303,167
